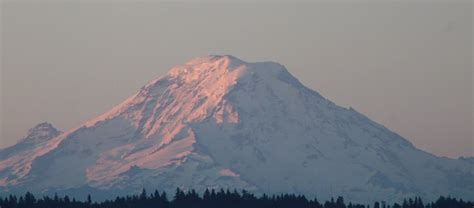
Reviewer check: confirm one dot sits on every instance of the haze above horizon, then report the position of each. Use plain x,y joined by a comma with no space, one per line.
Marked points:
405,65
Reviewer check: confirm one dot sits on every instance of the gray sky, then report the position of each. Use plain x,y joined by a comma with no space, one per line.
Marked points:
407,65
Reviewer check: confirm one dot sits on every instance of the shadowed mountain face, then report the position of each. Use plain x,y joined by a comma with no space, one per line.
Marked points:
36,136
220,122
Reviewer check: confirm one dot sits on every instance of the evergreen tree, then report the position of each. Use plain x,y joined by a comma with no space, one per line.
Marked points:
89,199
340,202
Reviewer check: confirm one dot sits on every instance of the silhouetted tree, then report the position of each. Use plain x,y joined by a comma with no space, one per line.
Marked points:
211,199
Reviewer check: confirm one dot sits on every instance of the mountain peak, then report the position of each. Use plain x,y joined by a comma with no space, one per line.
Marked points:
42,131
215,58
201,85
43,126
224,64
206,64
228,61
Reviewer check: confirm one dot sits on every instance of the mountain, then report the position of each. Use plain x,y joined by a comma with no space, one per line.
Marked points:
220,122
12,163
36,136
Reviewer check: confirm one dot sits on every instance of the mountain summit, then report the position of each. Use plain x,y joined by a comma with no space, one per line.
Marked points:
42,131
220,122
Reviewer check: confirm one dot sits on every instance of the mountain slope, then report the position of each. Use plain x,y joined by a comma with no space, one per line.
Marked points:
13,159
220,122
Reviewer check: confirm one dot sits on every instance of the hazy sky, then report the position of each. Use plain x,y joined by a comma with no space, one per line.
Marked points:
406,65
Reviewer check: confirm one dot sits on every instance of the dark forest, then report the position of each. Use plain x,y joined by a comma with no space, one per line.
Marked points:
216,199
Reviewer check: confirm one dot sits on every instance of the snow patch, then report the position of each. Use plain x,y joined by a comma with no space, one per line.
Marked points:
228,173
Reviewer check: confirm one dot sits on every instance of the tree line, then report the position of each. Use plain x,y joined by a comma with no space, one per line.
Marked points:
216,199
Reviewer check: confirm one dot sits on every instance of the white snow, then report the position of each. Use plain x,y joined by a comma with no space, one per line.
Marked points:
217,121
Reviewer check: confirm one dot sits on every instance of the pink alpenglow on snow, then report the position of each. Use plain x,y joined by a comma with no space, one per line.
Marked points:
220,122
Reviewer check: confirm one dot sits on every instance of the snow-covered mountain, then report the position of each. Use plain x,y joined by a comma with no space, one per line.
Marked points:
36,136
13,164
220,122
